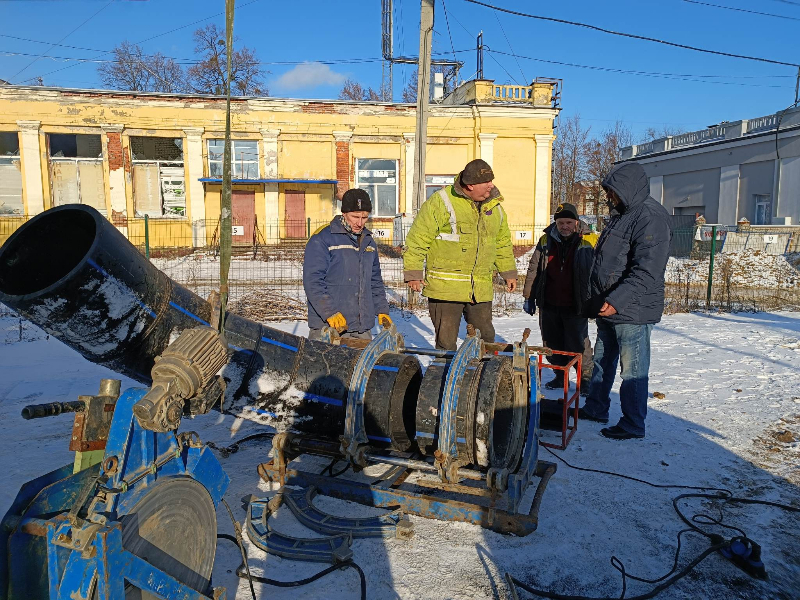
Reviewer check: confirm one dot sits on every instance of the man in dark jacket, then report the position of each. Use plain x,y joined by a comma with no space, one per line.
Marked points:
558,283
342,274
627,296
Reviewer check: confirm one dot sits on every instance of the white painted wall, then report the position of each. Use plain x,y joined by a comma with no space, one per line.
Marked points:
728,195
789,191
657,188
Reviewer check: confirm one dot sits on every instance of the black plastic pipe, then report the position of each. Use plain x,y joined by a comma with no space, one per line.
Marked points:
72,273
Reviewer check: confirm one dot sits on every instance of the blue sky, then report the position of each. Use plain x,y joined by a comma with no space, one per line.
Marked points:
315,30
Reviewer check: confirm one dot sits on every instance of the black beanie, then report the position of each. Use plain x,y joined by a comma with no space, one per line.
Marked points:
566,210
476,171
356,199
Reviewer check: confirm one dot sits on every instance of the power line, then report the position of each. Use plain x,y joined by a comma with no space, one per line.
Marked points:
744,10
152,37
673,76
633,36
496,16
25,68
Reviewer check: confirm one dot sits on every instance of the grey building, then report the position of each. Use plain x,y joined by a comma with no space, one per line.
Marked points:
742,169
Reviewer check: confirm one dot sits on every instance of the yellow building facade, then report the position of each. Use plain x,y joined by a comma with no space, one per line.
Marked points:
137,155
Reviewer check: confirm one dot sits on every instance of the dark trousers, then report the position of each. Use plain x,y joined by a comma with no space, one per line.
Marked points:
446,317
629,346
563,330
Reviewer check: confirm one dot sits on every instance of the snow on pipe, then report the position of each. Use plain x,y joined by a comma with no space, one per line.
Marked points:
72,273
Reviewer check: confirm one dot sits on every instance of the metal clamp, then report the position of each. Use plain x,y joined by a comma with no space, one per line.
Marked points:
447,455
355,432
522,477
333,549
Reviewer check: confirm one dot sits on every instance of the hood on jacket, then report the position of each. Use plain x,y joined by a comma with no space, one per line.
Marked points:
629,182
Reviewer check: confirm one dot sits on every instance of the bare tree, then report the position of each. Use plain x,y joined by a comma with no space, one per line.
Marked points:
352,90
133,69
601,154
653,133
208,75
569,159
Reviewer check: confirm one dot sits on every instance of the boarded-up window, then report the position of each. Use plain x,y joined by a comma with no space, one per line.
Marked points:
10,187
146,192
159,185
78,182
10,174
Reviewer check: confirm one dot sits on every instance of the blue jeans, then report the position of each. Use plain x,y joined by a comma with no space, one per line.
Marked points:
628,345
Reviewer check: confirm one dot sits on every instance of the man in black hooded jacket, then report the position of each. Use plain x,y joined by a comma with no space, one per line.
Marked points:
627,296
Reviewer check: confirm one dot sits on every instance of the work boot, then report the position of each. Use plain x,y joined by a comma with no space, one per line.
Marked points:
618,433
585,383
585,416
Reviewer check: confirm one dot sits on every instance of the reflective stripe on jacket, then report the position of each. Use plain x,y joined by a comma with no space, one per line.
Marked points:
341,276
459,265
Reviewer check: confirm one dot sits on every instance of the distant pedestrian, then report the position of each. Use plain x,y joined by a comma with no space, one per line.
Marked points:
459,239
627,296
342,274
558,283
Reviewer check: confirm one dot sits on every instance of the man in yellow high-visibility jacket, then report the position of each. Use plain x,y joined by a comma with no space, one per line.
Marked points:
459,239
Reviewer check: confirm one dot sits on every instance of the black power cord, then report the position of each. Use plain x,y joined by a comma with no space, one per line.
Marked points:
717,541
243,570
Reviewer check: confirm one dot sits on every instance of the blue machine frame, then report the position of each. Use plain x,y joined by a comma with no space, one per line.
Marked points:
84,553
496,484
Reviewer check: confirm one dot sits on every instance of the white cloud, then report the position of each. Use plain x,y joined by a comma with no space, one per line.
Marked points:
309,75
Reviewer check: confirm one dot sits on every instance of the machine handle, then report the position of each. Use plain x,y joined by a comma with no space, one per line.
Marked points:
37,411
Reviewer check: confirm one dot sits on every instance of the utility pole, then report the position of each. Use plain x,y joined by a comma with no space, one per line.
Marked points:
423,99
797,87
480,56
225,208
387,49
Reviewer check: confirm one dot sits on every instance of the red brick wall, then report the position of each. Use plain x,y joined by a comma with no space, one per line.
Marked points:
342,168
115,155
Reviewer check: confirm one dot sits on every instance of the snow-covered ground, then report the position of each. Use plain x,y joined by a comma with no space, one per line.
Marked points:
732,392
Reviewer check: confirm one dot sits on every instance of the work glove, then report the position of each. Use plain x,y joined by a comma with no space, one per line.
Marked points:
385,320
529,306
337,321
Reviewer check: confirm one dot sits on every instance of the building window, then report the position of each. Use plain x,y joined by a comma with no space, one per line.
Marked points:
379,178
10,175
763,209
433,183
244,159
159,183
76,170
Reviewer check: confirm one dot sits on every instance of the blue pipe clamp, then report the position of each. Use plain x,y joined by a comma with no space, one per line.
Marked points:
447,458
355,433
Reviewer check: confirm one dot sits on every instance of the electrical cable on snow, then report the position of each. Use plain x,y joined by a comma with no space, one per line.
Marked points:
717,541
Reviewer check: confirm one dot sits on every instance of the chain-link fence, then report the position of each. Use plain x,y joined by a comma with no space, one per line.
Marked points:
750,268
734,268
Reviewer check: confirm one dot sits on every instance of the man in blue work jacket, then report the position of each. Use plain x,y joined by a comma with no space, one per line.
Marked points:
342,275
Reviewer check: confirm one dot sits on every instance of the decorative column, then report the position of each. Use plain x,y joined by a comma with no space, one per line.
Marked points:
486,141
342,141
542,182
31,162
408,184
195,191
271,202
116,172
